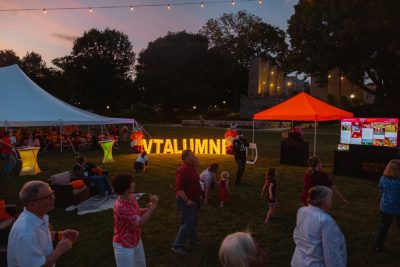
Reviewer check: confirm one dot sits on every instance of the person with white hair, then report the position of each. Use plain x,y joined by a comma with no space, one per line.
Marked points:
319,240
30,241
241,250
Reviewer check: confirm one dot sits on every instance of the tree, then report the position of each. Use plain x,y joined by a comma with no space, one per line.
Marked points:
360,37
98,72
34,66
8,57
178,72
241,37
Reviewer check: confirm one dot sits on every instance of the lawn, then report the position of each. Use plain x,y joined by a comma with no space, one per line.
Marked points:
246,211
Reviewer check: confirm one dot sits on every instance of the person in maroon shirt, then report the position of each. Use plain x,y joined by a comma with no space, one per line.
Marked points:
7,153
315,176
188,194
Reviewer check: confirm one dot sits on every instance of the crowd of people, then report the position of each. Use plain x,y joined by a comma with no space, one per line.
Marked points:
49,139
317,237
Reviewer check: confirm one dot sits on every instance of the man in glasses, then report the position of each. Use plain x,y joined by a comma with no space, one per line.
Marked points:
30,240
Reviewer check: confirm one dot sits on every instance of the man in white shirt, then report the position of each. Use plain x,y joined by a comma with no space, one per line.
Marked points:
30,240
319,240
208,180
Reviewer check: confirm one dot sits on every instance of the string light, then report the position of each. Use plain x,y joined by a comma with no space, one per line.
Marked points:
131,7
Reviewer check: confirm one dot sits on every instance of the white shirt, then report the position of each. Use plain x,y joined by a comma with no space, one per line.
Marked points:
319,241
207,178
29,242
142,159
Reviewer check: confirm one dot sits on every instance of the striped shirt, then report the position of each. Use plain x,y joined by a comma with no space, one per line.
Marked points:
390,199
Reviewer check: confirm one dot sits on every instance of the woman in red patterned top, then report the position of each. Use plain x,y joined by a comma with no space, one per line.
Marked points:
128,220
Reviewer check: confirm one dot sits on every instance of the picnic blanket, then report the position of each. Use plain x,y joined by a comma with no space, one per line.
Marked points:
93,204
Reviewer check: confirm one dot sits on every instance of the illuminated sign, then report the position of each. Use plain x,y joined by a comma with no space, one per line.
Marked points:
175,146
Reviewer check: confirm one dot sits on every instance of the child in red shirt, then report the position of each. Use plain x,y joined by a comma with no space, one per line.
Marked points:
224,192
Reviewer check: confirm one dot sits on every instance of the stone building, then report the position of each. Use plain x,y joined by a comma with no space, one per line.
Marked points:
340,91
267,87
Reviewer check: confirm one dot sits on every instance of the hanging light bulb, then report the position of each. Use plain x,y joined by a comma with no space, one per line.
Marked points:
260,2
44,11
131,8
90,9
169,7
202,5
233,2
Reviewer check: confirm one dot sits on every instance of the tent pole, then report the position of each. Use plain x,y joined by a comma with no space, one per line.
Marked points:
69,141
61,141
105,128
315,136
253,130
140,127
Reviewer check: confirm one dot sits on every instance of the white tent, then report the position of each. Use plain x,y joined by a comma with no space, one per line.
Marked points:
24,103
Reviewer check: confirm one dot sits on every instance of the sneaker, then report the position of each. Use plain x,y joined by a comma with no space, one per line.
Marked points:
179,251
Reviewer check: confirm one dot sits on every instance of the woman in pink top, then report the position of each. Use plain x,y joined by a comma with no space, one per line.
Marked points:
128,220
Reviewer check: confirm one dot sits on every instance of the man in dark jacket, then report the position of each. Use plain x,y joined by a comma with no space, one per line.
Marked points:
239,150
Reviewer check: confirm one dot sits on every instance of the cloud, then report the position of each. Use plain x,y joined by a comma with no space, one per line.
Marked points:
64,37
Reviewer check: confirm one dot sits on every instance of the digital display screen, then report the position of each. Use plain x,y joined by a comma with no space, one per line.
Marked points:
369,131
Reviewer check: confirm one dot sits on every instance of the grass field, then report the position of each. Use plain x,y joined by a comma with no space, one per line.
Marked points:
358,220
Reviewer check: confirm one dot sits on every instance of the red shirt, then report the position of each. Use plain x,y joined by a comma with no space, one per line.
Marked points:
5,149
188,181
126,222
317,178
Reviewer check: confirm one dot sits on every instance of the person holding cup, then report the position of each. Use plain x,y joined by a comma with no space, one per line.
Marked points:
129,219
30,240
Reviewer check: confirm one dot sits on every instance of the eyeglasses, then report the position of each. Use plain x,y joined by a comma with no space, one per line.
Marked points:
48,197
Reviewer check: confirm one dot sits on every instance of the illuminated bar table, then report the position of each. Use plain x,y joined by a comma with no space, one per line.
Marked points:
107,149
28,156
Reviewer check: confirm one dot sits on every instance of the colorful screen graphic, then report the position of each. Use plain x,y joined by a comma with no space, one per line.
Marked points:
369,131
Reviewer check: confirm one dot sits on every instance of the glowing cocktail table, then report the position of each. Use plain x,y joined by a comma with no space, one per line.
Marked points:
28,156
107,149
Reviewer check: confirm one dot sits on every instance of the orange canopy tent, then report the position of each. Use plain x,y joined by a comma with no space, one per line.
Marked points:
303,107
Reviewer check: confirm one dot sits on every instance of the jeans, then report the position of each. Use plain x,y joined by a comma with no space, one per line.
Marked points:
386,221
9,162
187,232
240,170
129,257
102,184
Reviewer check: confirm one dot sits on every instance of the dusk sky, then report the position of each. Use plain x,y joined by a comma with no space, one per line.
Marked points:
52,34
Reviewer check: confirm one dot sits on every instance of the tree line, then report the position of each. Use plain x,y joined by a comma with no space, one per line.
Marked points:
183,72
